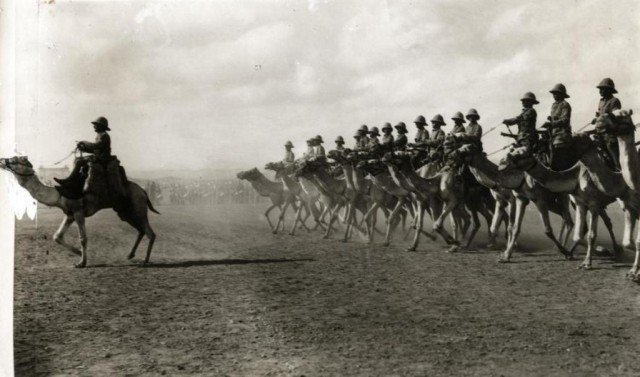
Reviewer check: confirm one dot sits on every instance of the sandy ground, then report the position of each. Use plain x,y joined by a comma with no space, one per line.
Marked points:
226,297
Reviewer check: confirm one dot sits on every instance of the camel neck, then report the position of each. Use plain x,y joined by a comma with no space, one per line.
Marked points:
555,181
348,175
46,195
265,186
511,180
290,183
328,182
629,161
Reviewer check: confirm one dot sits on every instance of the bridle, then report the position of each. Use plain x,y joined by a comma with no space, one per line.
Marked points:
20,174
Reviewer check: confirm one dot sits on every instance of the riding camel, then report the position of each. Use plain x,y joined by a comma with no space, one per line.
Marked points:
524,191
620,124
133,210
576,182
275,191
307,202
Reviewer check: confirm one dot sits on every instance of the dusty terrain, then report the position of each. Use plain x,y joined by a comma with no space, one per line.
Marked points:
226,297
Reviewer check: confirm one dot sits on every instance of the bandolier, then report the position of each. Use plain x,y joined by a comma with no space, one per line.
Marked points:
559,126
608,103
400,143
526,121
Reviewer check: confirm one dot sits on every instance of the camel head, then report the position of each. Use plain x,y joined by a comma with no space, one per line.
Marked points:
249,175
518,159
18,165
617,123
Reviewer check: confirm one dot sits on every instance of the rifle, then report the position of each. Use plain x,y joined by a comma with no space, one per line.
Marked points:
490,130
511,135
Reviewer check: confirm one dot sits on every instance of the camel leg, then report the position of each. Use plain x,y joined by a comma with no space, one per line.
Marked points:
151,235
474,230
617,249
438,226
548,230
498,215
132,253
295,221
266,214
634,269
391,218
82,231
349,218
281,217
59,234
592,223
578,230
520,207
629,225
419,216
333,213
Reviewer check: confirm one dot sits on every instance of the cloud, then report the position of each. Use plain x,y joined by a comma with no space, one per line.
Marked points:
510,21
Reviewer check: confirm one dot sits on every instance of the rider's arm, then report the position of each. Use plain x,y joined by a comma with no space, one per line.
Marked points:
102,142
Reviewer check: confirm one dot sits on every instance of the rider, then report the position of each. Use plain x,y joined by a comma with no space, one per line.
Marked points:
400,143
374,142
289,157
357,136
339,143
608,103
458,127
318,151
310,149
387,138
101,150
559,125
435,143
527,136
363,142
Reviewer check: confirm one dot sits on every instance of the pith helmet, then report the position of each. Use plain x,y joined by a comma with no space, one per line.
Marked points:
102,121
420,120
401,127
607,83
528,96
559,88
438,119
387,126
459,116
364,128
374,131
357,135
318,138
473,113
339,139
288,144
311,141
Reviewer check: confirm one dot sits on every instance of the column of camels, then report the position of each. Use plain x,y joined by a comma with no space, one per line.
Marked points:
345,191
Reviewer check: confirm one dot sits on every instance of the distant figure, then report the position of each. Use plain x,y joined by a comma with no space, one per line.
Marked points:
289,157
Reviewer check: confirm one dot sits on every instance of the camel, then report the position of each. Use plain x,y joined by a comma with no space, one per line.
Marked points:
432,190
307,202
523,190
576,182
382,179
275,191
620,124
76,210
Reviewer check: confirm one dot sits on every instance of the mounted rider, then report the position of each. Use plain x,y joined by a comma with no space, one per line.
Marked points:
559,126
363,141
374,147
458,123
318,150
339,144
387,138
435,144
310,149
289,157
527,135
99,173
400,142
608,103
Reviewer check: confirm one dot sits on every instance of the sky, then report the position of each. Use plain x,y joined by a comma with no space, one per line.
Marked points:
223,84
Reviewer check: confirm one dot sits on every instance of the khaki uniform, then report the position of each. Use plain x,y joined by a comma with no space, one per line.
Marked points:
608,105
288,157
457,129
435,144
101,148
318,151
387,139
526,121
400,143
560,123
421,136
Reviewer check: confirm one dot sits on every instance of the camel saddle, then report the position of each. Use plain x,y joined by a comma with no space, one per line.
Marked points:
105,179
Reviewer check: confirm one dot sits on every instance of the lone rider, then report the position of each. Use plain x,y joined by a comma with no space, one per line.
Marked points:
608,103
101,150
559,125
526,121
289,157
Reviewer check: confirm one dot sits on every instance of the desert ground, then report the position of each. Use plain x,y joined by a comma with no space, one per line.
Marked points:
224,296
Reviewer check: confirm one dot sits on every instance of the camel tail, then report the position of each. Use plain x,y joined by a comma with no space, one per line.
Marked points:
151,206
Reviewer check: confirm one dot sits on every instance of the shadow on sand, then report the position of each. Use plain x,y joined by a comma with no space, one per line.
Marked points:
204,262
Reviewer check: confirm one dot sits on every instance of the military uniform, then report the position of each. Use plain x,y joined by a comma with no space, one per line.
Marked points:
387,138
526,121
606,106
289,157
101,148
559,125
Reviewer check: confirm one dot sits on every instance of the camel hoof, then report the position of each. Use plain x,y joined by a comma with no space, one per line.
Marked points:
632,273
411,248
503,260
584,266
618,250
81,264
131,255
58,239
491,245
452,249
325,237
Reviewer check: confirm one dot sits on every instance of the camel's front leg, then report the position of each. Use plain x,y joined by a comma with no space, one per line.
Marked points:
82,231
295,221
515,231
548,229
438,224
266,214
419,216
59,234
474,230
578,230
592,223
634,272
391,218
617,249
281,217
